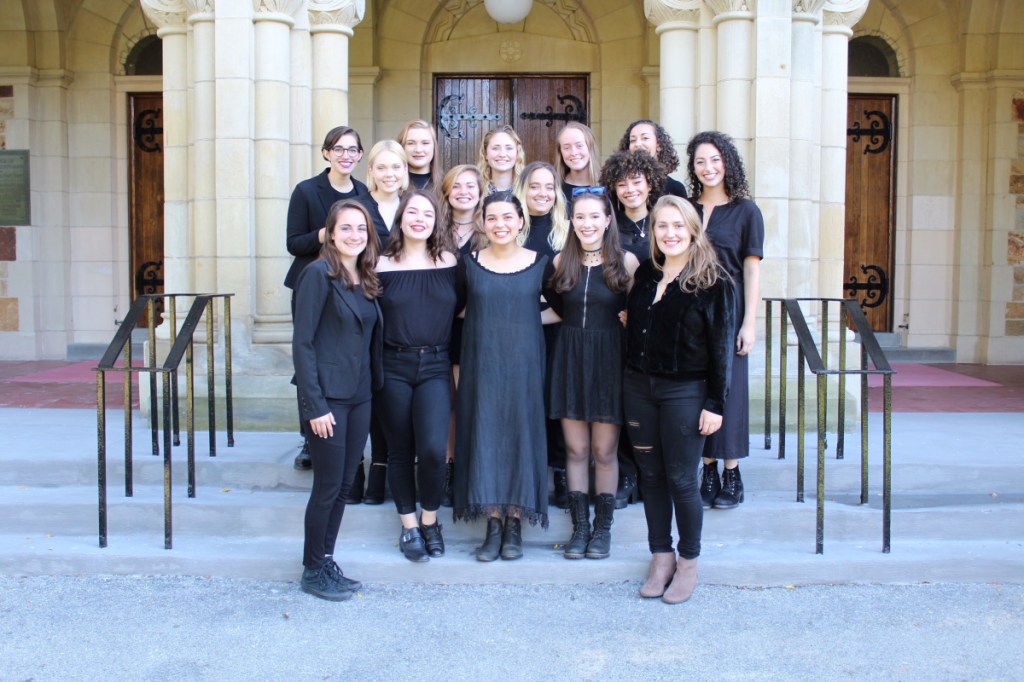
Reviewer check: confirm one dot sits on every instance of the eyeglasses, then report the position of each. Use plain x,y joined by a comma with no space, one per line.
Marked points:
341,151
580,191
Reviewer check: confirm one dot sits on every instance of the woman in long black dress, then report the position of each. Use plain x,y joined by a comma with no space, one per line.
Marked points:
417,275
736,229
336,349
679,337
307,215
588,290
500,448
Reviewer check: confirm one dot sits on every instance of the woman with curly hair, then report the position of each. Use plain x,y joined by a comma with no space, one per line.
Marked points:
679,339
653,139
501,159
632,179
735,227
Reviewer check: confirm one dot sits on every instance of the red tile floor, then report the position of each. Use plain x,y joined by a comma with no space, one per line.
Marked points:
916,387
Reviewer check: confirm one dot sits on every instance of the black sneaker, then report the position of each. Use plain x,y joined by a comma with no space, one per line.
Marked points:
303,462
339,577
320,583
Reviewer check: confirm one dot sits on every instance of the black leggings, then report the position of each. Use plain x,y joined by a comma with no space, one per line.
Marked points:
415,409
663,418
335,461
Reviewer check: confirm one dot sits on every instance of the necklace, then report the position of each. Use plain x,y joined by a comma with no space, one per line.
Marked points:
640,227
468,222
592,257
597,250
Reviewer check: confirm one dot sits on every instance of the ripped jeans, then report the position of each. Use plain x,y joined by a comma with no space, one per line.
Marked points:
663,417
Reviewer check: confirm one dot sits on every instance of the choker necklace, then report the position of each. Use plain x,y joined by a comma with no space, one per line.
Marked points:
468,222
639,226
597,250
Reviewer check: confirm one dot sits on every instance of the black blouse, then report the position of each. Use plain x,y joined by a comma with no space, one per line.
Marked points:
418,307
684,336
537,239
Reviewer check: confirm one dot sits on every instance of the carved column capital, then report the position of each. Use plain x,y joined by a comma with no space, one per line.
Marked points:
202,7
335,15
726,10
840,16
276,10
665,13
807,10
168,15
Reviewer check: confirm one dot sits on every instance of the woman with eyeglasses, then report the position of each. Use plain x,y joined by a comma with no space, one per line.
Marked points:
307,214
588,291
419,141
680,333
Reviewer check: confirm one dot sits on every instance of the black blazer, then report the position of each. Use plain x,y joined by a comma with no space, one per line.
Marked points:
328,342
307,213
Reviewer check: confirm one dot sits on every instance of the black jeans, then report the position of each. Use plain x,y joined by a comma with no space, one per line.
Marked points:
663,418
415,410
335,461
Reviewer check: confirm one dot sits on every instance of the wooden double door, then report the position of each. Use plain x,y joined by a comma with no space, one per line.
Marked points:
870,206
146,195
537,106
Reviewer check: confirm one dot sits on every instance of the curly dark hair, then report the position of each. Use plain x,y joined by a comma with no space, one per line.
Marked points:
622,165
735,176
667,156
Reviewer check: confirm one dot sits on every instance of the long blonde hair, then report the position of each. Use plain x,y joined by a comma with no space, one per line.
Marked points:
702,270
485,169
590,140
559,212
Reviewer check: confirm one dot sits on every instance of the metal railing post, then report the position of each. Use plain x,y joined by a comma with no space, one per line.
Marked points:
228,391
800,425
768,375
101,453
819,547
154,419
783,343
210,390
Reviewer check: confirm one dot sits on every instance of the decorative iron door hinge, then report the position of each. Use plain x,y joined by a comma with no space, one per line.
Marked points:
449,117
573,111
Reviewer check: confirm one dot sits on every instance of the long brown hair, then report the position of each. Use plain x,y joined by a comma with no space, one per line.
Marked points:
366,263
447,220
570,260
439,240
702,270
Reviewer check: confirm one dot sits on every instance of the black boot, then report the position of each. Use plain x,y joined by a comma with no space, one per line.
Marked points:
491,547
710,484
355,493
512,539
601,542
579,509
433,539
375,483
303,461
448,499
561,488
732,489
412,545
626,493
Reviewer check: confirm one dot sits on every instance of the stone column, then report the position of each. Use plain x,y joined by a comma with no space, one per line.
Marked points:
303,139
801,240
839,18
676,23
734,23
331,23
202,178
272,128
170,16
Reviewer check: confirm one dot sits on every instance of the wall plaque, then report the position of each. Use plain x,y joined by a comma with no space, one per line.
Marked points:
14,187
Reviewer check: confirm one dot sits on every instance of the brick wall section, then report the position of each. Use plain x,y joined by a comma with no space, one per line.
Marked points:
1015,248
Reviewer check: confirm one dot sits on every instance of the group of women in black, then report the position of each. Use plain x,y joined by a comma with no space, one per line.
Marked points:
418,291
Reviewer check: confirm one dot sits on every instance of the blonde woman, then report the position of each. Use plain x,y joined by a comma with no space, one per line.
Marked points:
577,157
387,176
419,141
501,159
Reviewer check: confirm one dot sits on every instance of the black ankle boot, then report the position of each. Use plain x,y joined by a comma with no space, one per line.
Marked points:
626,493
303,460
579,509
601,541
732,490
512,539
491,547
375,483
412,545
561,488
448,499
710,484
355,493
433,539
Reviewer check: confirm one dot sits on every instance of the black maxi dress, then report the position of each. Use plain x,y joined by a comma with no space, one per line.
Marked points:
500,444
736,230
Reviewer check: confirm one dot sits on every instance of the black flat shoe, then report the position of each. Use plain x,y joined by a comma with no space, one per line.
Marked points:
432,539
412,545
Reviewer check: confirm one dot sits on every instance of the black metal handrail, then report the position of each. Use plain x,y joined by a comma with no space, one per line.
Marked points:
181,348
808,354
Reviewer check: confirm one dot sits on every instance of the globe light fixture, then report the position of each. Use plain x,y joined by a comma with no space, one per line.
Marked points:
508,11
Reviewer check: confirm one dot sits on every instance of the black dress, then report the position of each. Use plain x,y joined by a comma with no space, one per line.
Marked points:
500,445
635,236
586,362
736,230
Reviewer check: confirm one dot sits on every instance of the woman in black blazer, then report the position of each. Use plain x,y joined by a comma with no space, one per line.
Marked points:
307,215
336,348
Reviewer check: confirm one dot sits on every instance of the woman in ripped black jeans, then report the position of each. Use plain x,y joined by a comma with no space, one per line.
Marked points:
679,340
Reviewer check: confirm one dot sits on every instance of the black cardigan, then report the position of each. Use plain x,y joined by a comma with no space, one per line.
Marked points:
684,336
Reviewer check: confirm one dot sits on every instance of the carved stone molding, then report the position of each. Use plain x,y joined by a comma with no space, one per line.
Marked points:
334,14
732,6
199,6
166,14
841,15
807,10
276,8
661,12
